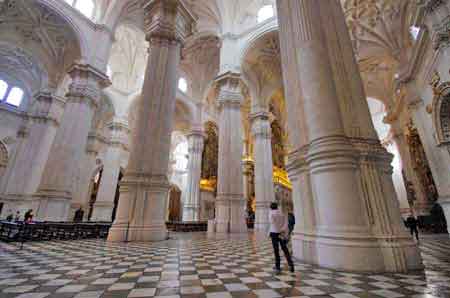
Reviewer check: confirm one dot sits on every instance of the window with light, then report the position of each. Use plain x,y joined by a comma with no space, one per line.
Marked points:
182,84
86,7
265,13
415,31
11,95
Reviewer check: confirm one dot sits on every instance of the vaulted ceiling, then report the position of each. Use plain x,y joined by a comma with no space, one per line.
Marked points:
34,27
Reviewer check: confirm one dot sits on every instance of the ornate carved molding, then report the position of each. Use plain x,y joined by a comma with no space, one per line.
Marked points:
86,85
230,87
168,20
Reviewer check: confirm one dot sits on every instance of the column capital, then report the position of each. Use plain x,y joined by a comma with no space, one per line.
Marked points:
87,83
229,85
261,125
93,143
47,107
196,140
168,20
260,115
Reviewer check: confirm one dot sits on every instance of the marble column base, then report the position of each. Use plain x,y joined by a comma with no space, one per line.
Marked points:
262,216
237,216
191,213
52,206
445,204
140,215
102,211
222,215
370,254
125,233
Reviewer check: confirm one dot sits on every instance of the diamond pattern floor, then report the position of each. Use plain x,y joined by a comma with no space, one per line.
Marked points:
197,266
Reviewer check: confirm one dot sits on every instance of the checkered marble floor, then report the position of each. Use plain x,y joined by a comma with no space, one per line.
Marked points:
195,266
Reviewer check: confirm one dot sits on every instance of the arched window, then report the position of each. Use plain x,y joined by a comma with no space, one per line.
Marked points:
264,13
86,7
15,96
182,84
10,94
414,32
3,89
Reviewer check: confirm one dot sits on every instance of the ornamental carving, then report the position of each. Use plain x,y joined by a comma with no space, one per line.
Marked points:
278,150
441,108
34,23
420,162
210,156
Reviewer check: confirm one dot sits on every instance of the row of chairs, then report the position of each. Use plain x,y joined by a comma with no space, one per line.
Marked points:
192,226
46,231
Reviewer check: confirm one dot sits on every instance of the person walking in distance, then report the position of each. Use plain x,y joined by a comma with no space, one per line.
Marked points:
411,223
279,233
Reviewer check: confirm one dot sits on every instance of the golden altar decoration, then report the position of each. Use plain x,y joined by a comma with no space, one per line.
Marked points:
208,184
280,176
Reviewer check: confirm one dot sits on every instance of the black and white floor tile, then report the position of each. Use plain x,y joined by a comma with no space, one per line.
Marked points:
197,266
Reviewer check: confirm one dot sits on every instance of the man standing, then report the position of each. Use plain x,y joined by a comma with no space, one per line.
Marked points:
411,223
279,233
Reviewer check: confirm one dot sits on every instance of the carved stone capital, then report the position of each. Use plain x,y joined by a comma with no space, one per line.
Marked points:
167,20
47,108
196,141
230,89
261,125
87,83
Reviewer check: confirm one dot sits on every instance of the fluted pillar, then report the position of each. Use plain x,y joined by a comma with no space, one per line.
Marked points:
104,203
55,189
191,207
264,191
355,222
230,202
145,186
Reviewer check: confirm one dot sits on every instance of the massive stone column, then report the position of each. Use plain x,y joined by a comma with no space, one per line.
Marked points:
264,191
355,222
104,204
144,188
191,207
55,189
230,203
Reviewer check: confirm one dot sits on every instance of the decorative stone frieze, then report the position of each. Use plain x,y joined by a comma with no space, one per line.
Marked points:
167,20
87,83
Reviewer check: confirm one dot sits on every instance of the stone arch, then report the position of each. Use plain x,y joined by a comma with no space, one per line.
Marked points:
441,114
60,9
252,39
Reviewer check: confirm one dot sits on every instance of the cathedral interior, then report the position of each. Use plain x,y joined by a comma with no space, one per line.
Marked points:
142,143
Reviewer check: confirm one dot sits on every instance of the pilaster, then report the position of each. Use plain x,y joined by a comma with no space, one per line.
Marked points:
104,204
35,140
55,189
